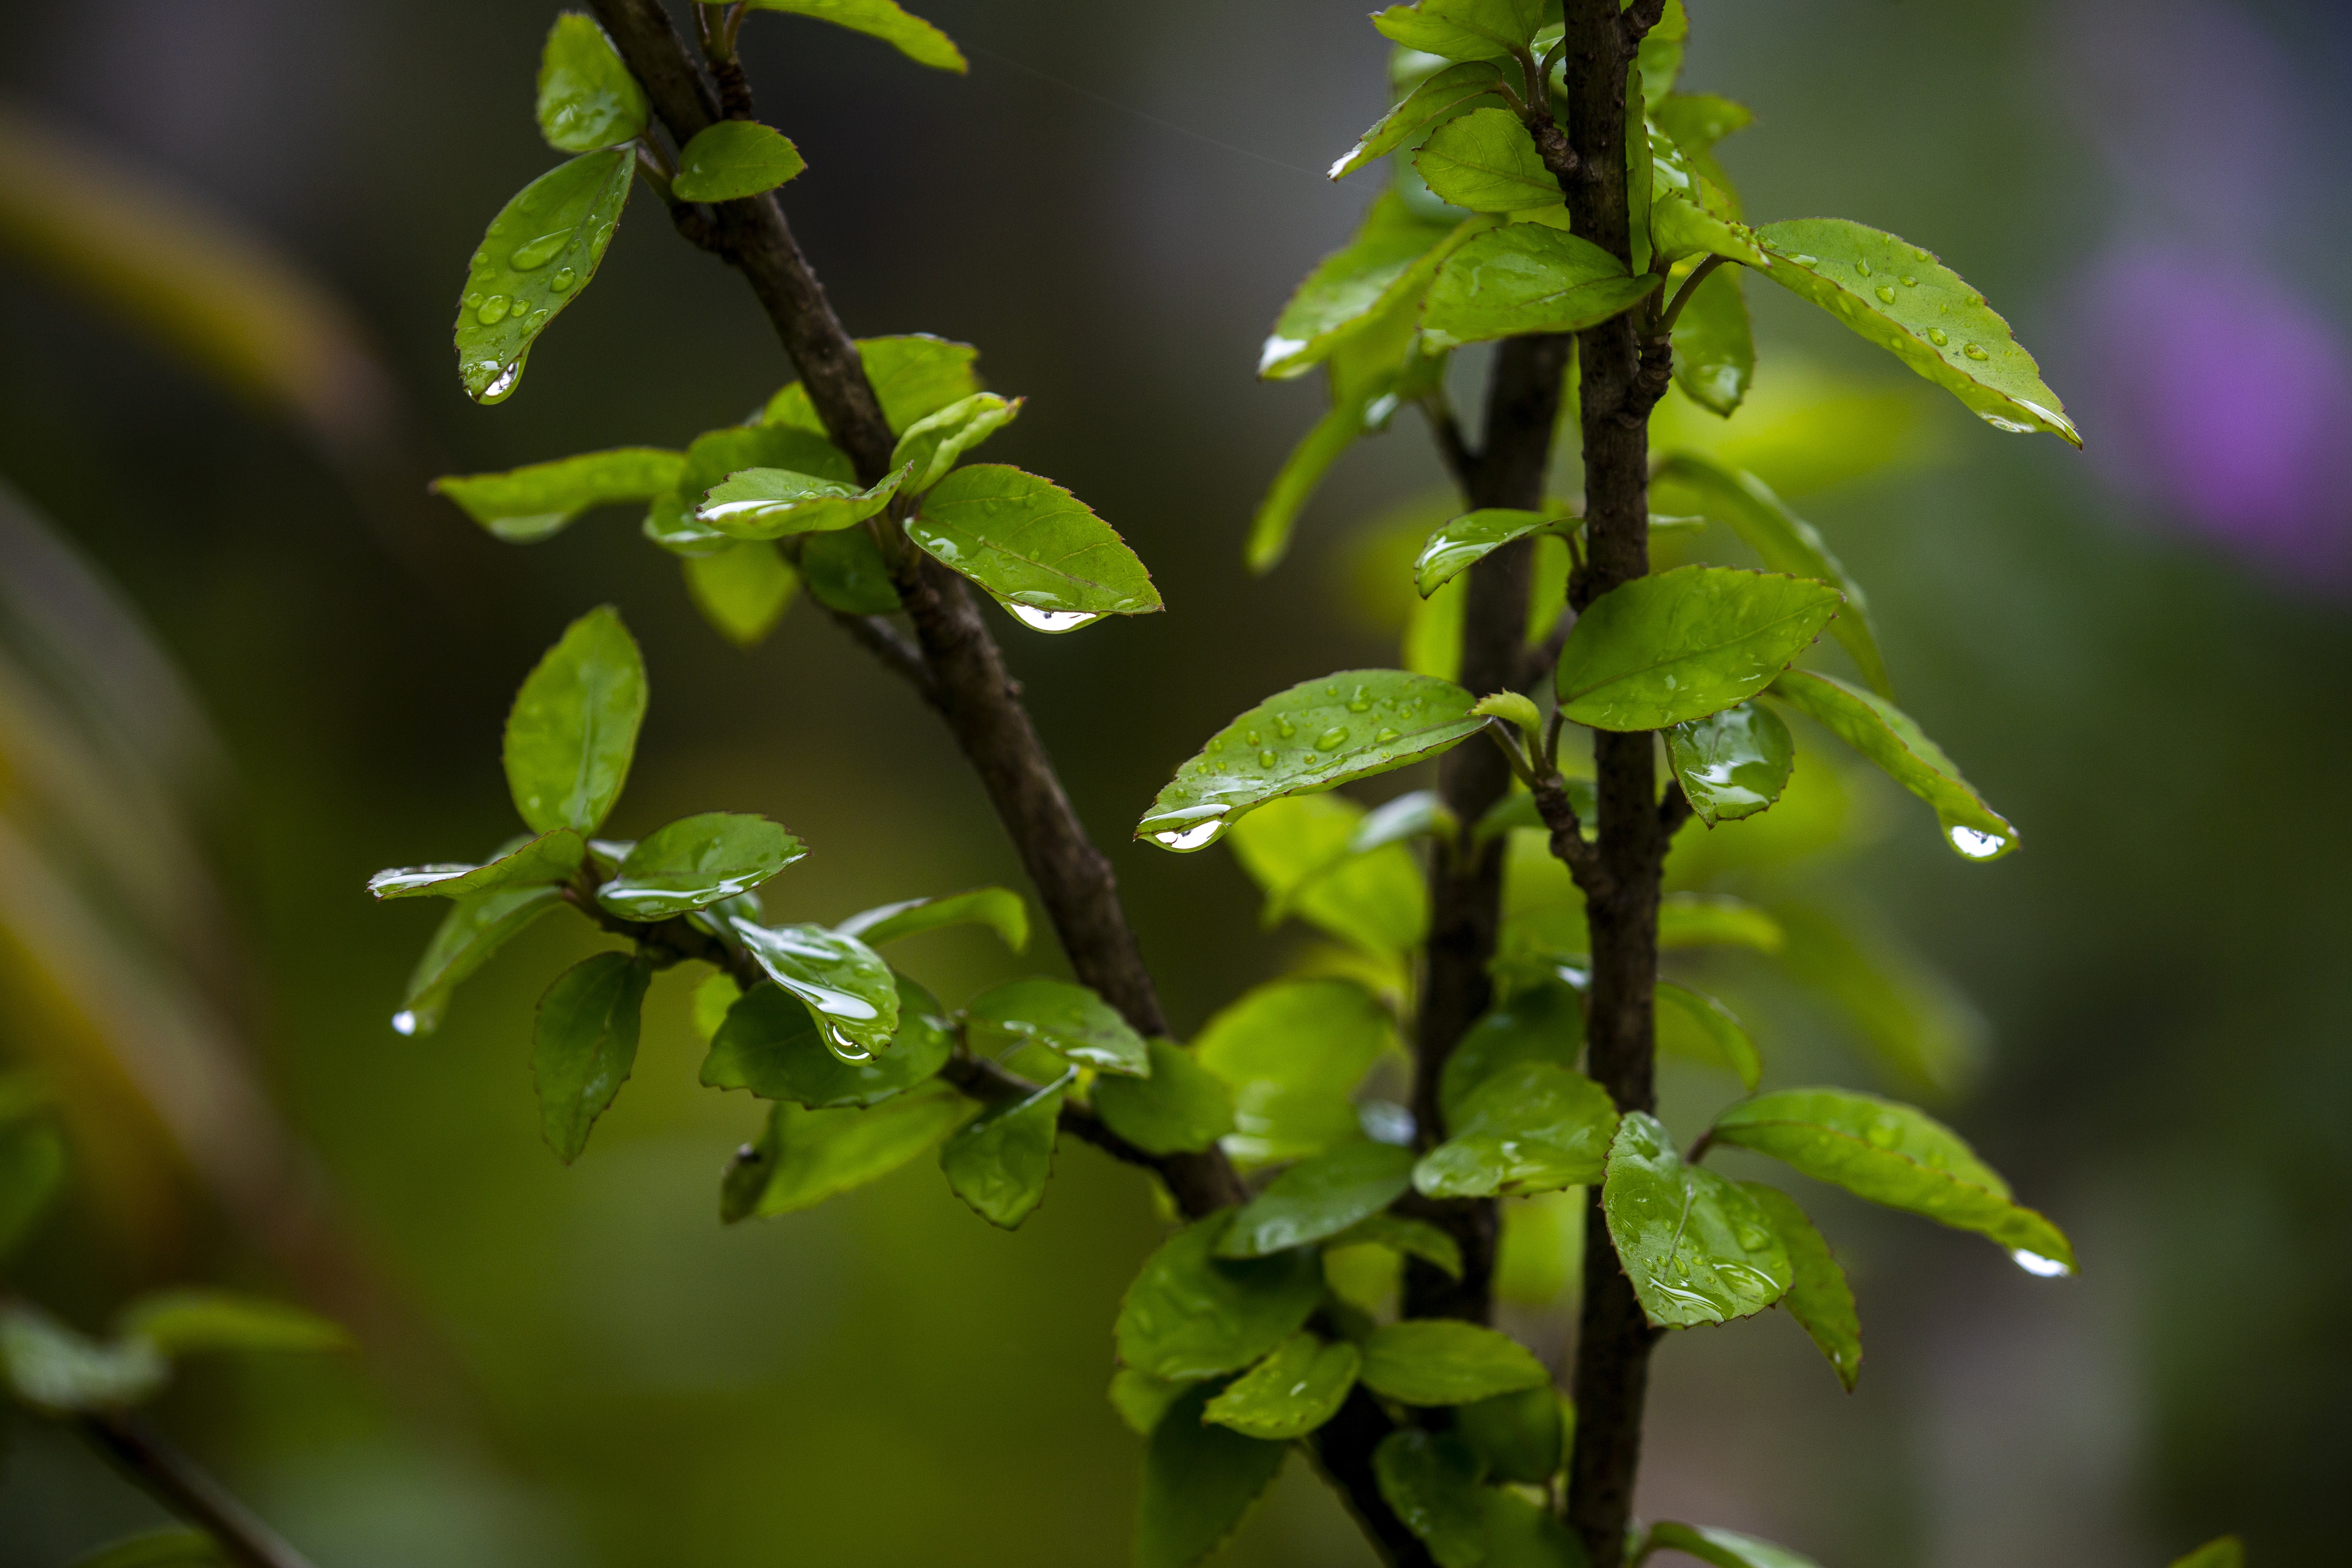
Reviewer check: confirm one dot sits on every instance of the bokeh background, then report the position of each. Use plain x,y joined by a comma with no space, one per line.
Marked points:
250,664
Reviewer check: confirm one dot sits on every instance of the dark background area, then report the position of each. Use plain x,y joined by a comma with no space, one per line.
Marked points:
2140,653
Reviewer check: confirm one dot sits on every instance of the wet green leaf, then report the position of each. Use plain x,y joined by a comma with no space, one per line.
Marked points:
585,1043
32,1172
1462,29
910,36
552,857
935,443
1723,1548
1316,734
1069,1020
1525,278
1542,1024
807,1156
1900,297
587,98
770,1044
1743,504
742,590
539,254
1716,920
1885,735
1431,1479
1520,1436
1440,1361
1191,1314
1289,1394
846,986
1390,262
469,935
1039,550
159,1549
1406,1237
1199,1479
523,506
1679,645
2228,1551
1141,1399
1485,161
1696,1248
845,572
60,1369
733,158
1000,1161
768,503
1897,1155
181,1321
1291,1052
1181,1108
1321,1195
1819,1297
1433,99
914,375
998,909
1732,764
1531,1128
574,727
1684,225
1459,544
695,862
1714,348
1720,1035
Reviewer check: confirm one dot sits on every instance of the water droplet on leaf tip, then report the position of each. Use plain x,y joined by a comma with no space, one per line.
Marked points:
1886,295
1331,740
2035,1264
1191,838
1976,846
1973,351
403,1022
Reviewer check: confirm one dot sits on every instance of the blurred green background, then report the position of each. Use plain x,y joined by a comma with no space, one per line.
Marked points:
2141,654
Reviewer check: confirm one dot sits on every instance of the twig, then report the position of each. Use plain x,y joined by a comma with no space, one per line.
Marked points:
175,1480
1699,275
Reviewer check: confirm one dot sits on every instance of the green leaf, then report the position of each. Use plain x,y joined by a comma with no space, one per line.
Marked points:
1303,850
1039,550
733,158
741,590
1390,261
998,909
1819,1297
1316,734
179,1321
60,1369
1714,348
852,993
716,455
1462,29
1709,1021
552,857
845,572
807,1156
1531,1128
1291,1052
574,727
1433,99
1896,1155
1733,763
1321,1195
1485,161
1696,1248
1431,1479
1440,1361
539,252
1743,504
159,1549
1294,484
1459,545
585,1043
1069,1020
1679,645
770,1044
1416,813
1885,735
713,998
1141,1399
1406,1237
469,935
2228,1551
914,375
695,862
1902,299
1723,1548
1181,1108
768,503
1191,1314
1520,1436
910,36
1522,1533
1542,1024
1000,1161
1640,173
1716,920
933,444
1289,1394
32,1172
1684,223
1199,1479
1527,277
587,98
523,506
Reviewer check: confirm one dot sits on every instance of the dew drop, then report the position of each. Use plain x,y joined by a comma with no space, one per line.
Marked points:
1976,846
1883,1134
1216,743
492,310
1039,620
403,1022
1862,267
563,280
1919,254
1333,689
1388,737
2034,1263
1885,294
1937,336
1754,1238
1973,351
1266,759
538,320
1360,701
504,384
1191,838
1284,727
1806,261
1332,739
473,299
1254,738
1909,281
539,252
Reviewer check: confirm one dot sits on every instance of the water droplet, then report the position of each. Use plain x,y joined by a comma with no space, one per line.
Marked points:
1266,759
1806,261
1976,846
473,299
504,384
1862,267
1284,727
1388,737
844,1047
492,310
538,320
1883,1134
1333,689
403,1022
1039,620
1973,351
1937,336
1919,254
539,252
1754,1238
563,280
1254,738
1332,739
1885,294
2034,1263
1191,838
1909,281
1360,701
1216,743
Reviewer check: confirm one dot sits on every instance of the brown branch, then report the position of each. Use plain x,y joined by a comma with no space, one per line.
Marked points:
180,1485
